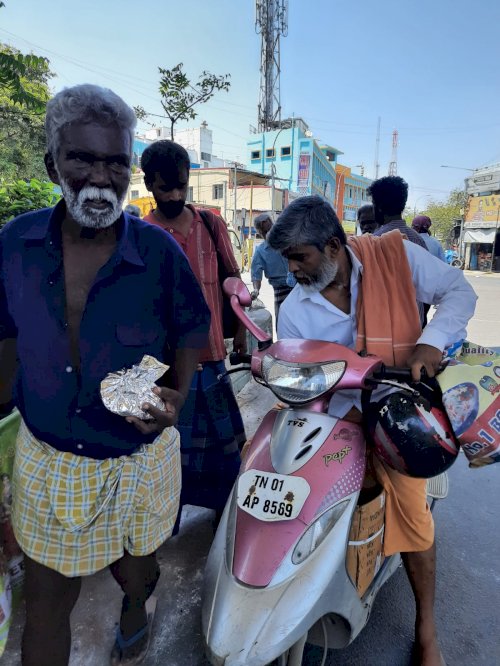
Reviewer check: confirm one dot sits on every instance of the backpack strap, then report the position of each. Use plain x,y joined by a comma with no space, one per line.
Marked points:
209,227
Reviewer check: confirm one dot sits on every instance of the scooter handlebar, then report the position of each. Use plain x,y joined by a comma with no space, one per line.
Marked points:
235,358
398,374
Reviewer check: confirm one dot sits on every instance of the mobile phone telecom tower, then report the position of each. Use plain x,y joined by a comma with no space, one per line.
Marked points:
271,21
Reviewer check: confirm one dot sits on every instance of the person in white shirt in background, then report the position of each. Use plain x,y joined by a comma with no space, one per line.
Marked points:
322,306
421,224
271,263
366,219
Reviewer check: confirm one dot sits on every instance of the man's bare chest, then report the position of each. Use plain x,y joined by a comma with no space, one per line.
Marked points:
81,267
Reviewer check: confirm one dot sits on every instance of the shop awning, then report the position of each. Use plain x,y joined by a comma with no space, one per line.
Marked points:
479,236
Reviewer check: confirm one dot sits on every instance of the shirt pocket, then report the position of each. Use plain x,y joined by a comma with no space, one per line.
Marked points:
209,272
136,335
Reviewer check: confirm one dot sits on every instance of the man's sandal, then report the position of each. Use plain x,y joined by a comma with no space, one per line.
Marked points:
133,650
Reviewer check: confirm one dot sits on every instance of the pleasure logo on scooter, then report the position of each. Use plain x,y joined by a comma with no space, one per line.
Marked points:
337,456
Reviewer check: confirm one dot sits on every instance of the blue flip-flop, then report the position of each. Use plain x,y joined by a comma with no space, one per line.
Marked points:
118,653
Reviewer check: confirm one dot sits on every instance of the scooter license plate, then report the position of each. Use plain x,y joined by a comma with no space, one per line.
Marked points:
269,496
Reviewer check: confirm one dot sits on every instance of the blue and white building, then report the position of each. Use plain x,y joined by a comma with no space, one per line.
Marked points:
300,164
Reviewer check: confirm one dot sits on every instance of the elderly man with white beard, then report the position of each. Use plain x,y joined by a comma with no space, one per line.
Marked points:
86,290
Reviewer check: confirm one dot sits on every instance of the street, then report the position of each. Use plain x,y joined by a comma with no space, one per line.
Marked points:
468,579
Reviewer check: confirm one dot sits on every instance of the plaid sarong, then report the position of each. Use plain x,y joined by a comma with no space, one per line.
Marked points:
212,434
77,515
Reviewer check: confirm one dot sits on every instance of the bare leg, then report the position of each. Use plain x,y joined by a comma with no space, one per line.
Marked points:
137,576
421,570
50,598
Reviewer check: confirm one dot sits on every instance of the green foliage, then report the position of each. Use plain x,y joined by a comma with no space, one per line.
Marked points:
21,196
443,214
179,96
15,70
17,82
22,134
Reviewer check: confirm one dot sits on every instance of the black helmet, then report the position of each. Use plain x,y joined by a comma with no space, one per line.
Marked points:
412,435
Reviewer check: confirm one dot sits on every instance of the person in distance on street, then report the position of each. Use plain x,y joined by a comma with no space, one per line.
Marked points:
366,219
271,263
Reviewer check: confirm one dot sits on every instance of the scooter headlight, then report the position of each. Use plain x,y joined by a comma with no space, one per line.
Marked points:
300,382
317,532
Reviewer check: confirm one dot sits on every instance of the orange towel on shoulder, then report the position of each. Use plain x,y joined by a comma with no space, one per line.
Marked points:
389,326
388,321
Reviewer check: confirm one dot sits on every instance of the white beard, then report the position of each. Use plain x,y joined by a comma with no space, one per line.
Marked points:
327,273
86,216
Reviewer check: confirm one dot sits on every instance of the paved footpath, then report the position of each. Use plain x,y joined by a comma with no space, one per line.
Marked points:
468,591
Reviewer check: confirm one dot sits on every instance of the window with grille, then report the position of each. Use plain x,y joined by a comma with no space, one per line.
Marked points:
218,191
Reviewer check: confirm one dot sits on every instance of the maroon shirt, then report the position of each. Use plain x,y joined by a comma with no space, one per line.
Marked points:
202,257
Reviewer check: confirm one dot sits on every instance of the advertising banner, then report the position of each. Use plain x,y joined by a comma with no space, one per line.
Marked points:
483,211
471,398
303,175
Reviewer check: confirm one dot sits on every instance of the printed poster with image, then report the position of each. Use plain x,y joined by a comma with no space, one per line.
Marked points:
471,397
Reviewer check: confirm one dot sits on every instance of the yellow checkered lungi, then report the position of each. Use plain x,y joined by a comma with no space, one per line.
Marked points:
77,515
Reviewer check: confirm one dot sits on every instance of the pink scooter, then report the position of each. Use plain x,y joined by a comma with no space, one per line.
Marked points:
276,574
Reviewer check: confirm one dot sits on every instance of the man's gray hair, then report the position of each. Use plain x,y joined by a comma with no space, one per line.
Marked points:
306,221
86,104
260,219
132,209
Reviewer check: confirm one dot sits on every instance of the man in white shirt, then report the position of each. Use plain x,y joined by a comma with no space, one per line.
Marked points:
322,306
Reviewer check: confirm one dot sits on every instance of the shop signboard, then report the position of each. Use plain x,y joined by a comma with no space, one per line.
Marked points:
483,212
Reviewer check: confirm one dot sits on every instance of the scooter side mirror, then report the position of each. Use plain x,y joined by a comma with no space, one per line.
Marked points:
233,286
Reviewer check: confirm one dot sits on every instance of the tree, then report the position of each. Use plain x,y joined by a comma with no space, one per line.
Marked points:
19,197
179,96
15,73
22,134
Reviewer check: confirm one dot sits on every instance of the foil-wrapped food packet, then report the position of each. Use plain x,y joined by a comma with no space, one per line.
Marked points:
125,391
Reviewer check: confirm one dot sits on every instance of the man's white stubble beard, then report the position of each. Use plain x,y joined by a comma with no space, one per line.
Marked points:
327,273
93,219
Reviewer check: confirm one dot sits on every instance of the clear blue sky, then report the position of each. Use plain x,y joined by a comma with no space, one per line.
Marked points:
429,68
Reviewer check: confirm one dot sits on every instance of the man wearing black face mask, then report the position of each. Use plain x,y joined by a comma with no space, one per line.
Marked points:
210,423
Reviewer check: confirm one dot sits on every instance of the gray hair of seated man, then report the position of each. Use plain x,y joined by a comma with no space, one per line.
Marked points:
306,221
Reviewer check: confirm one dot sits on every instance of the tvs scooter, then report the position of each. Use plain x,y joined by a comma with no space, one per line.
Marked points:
276,574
